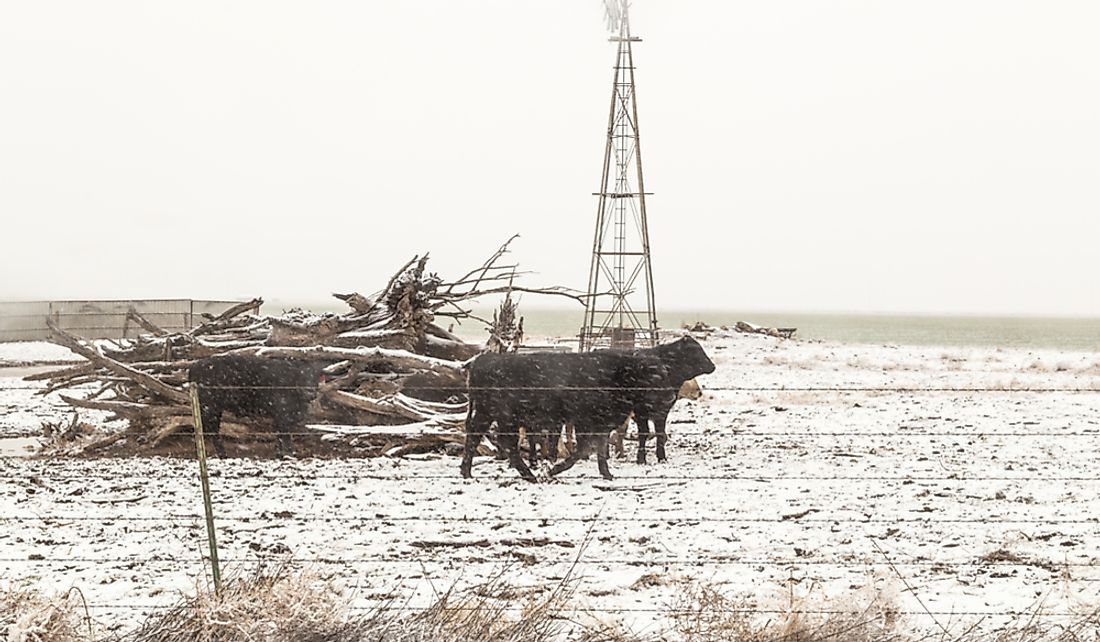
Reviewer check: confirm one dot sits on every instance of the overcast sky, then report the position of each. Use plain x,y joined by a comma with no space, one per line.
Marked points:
929,157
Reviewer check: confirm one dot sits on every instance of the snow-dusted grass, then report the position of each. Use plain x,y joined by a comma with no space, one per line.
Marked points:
277,606
973,502
27,615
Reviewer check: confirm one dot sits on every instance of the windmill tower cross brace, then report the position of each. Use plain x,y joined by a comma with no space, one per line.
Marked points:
620,310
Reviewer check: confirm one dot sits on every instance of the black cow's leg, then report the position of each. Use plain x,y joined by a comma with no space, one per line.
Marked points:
643,435
539,437
543,439
211,425
662,437
566,463
552,443
477,424
508,438
494,438
618,436
580,449
602,456
283,426
285,448
533,436
500,454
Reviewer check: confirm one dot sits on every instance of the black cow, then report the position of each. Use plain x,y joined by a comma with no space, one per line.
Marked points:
257,387
595,391
541,392
683,359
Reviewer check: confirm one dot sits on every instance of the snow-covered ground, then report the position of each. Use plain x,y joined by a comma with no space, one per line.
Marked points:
19,353
980,501
22,409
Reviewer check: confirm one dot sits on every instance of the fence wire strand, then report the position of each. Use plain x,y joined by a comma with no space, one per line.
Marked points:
1052,567
650,610
191,521
654,519
457,390
67,476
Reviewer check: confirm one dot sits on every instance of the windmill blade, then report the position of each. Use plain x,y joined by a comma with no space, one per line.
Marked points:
616,12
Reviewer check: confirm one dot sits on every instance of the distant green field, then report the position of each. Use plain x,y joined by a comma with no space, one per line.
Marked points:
1008,332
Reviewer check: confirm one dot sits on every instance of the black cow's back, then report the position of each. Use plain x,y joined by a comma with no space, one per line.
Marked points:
590,387
251,385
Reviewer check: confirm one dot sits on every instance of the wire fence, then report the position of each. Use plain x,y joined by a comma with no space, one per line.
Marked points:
489,554
1083,567
1091,388
258,476
784,564
670,610
653,519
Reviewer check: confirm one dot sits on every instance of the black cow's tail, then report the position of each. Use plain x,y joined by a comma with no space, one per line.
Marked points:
469,411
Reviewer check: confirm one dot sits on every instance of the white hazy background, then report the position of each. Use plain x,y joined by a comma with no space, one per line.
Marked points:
932,157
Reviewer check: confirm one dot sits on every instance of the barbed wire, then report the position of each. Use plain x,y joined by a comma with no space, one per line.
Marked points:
1050,566
667,389
642,609
463,389
383,431
669,520
630,436
353,476
717,432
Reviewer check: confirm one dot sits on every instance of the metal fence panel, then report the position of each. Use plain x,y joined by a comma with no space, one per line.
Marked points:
23,320
26,320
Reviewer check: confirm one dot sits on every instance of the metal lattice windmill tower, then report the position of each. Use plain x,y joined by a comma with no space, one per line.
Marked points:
620,311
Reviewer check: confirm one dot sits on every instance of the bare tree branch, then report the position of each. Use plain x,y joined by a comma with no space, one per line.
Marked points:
485,267
135,316
146,381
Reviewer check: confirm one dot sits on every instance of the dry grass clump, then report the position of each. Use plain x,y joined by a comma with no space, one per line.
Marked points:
268,605
703,613
277,607
1034,628
489,612
29,616
280,607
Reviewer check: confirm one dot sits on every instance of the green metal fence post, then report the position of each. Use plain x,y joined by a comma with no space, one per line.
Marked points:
200,449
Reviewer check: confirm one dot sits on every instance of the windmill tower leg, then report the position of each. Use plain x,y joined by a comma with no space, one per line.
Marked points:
620,309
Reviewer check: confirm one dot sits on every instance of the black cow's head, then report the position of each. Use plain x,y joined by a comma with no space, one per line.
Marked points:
685,358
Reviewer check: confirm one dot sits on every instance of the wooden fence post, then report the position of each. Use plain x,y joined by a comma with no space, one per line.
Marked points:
200,449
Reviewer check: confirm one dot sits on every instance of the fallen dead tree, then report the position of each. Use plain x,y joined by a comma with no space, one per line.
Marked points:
750,328
389,364
743,327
